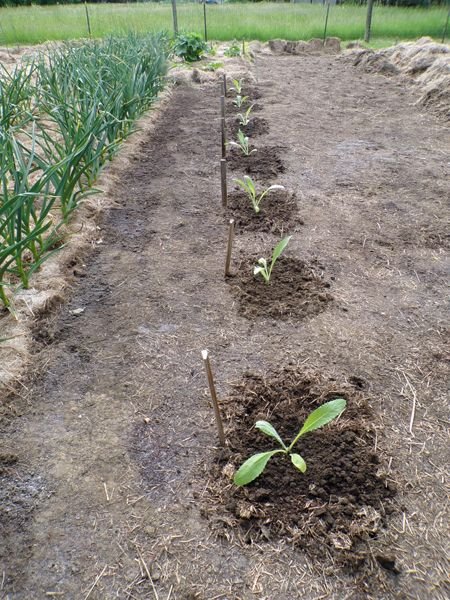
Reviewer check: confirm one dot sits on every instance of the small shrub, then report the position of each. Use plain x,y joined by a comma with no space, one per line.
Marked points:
233,50
189,46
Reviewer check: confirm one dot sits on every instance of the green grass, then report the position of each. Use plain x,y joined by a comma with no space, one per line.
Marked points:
36,24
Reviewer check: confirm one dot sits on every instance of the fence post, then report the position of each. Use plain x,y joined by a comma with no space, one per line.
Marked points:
326,23
446,27
204,20
368,20
174,15
87,18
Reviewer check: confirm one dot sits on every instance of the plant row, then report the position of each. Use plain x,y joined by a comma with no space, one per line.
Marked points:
62,116
254,466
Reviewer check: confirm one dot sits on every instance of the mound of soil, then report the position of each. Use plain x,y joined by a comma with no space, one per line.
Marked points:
314,46
343,497
278,212
295,290
373,62
423,62
264,163
256,126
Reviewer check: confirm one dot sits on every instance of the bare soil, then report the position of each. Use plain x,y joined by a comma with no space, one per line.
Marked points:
278,212
112,484
295,291
255,127
263,162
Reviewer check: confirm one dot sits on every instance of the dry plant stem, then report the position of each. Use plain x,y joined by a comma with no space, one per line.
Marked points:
147,572
229,247
215,402
223,181
414,403
97,579
222,107
224,137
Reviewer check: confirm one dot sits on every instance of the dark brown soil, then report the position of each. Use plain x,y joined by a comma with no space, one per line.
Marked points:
233,110
265,163
295,290
278,212
254,128
113,433
341,500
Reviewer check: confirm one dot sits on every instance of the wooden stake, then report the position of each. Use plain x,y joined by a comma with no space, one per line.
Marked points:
224,137
229,247
222,107
223,181
224,85
212,391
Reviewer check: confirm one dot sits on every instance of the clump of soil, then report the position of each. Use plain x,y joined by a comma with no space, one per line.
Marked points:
6,461
256,126
296,290
341,500
278,212
251,91
265,162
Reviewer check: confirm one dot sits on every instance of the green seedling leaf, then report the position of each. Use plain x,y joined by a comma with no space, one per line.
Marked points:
253,467
321,416
298,462
279,248
269,430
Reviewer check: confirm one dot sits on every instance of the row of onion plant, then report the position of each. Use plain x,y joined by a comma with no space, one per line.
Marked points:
61,118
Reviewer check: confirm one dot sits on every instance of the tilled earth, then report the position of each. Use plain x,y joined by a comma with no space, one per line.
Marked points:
112,484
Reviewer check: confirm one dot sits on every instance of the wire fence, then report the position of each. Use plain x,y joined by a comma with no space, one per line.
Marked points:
224,21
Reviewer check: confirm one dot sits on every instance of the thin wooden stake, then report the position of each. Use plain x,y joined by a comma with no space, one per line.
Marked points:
224,84
222,107
229,247
224,137
223,181
212,391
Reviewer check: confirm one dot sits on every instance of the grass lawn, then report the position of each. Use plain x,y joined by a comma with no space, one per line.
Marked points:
37,24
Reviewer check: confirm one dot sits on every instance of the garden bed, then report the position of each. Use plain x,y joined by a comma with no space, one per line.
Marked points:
112,480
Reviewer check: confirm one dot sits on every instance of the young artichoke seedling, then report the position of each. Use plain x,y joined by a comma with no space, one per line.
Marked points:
262,268
244,118
255,465
248,185
239,101
242,144
237,86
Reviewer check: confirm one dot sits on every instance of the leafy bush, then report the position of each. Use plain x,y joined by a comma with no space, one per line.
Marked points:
233,50
189,46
